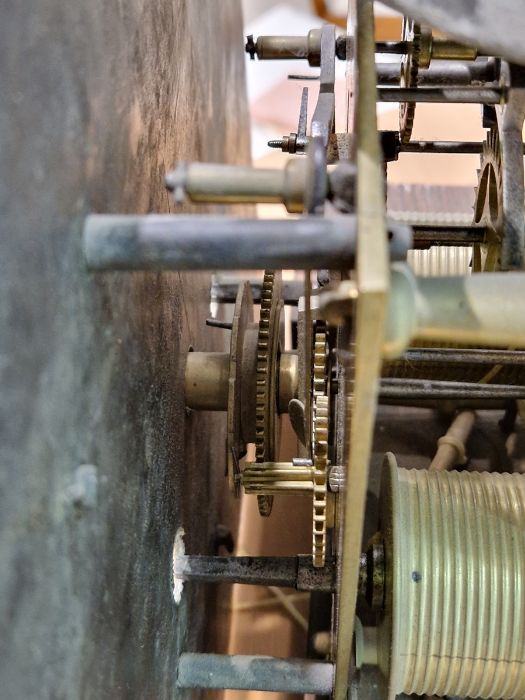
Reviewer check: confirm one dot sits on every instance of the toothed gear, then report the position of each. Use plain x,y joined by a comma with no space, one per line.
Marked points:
488,207
319,373
409,76
320,459
320,426
266,377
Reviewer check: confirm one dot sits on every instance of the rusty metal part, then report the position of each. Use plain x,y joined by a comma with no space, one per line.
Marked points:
224,290
445,95
372,574
408,388
246,672
289,572
454,621
295,142
467,356
510,119
266,403
412,35
427,235
167,242
448,147
459,364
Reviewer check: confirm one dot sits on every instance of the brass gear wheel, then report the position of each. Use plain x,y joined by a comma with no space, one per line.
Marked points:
409,74
320,460
320,427
268,349
488,207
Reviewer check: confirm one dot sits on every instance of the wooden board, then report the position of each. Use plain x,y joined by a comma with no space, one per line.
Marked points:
98,101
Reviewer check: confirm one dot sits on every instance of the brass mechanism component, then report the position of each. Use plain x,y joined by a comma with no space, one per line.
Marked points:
207,375
372,574
421,49
470,310
320,459
454,619
409,71
254,382
287,47
267,479
474,309
206,380
441,49
230,184
288,379
488,208
274,478
445,574
320,426
268,349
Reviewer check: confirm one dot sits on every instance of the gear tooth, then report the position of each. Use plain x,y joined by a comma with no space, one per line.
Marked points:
264,367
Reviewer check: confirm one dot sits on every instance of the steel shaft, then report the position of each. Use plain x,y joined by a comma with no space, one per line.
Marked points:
255,673
165,242
288,572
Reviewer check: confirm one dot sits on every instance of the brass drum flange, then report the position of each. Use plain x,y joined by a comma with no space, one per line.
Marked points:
236,443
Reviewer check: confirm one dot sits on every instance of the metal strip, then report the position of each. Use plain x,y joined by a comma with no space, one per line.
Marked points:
372,284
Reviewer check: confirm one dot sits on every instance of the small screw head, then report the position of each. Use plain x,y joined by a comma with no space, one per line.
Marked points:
250,47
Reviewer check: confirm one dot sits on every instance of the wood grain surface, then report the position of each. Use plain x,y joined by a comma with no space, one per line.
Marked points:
98,100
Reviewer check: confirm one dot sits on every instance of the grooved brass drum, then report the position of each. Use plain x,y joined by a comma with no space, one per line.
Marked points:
455,615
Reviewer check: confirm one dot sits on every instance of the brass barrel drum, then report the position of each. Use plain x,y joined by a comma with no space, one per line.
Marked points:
454,620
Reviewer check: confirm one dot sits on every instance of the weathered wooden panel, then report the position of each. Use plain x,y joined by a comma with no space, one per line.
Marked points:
99,98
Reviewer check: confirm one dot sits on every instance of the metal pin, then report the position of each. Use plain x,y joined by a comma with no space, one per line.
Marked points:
287,572
267,673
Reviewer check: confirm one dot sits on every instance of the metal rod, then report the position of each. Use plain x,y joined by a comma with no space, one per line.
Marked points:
453,404
427,235
422,388
226,292
165,242
441,147
255,673
466,356
393,47
440,73
461,95
288,572
217,323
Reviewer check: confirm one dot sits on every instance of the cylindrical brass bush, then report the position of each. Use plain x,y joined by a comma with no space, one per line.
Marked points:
206,380
456,567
